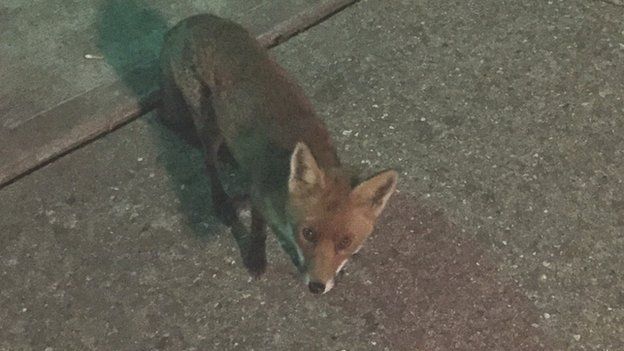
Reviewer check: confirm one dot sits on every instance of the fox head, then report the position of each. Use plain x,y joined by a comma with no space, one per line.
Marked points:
332,219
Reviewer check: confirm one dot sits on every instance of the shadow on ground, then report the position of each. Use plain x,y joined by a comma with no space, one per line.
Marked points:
130,32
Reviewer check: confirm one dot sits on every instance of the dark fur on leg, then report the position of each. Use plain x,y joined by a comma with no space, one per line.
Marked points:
255,259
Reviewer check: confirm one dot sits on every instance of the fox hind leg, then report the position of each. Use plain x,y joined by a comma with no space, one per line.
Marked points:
197,98
224,205
173,111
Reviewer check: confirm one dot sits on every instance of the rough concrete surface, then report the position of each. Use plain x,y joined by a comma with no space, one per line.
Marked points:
506,116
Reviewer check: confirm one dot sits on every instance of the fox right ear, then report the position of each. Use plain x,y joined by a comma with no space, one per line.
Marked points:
304,171
373,194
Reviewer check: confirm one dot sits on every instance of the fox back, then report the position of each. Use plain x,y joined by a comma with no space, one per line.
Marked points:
220,83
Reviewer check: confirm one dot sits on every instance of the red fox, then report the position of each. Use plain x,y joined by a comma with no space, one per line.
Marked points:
217,80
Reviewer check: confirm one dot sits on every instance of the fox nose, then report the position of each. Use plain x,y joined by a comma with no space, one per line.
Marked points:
316,287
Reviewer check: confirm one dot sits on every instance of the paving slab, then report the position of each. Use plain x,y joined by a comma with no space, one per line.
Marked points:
44,43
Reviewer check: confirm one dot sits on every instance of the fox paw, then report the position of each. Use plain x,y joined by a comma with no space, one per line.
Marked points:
227,208
256,263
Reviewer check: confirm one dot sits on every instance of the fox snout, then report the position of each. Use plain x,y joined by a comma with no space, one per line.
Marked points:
321,283
316,287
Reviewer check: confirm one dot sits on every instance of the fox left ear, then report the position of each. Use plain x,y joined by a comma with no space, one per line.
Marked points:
373,194
304,171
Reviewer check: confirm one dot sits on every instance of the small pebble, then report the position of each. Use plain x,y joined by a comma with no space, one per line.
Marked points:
576,337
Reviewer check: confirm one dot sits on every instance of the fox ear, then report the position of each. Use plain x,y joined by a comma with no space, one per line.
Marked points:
304,171
373,194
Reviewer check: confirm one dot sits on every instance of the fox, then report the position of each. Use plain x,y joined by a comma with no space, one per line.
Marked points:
220,83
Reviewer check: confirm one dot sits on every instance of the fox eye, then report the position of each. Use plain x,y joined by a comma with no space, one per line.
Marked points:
309,234
343,243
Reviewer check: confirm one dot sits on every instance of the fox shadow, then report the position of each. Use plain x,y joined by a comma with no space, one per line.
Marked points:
130,35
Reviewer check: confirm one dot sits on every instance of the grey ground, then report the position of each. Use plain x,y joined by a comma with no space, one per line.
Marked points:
503,117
